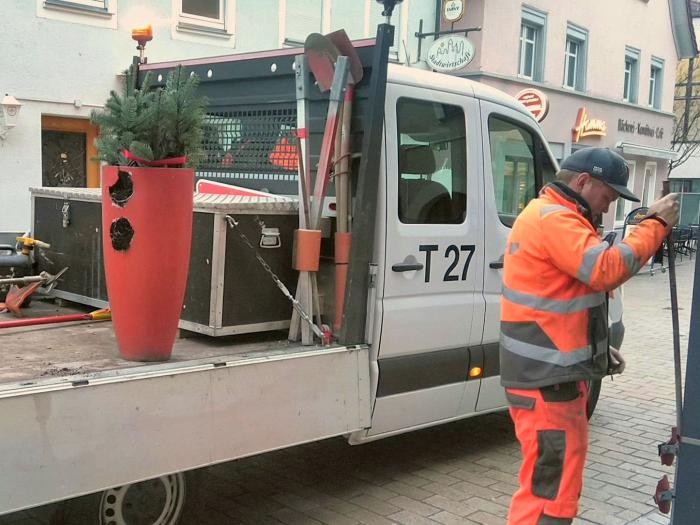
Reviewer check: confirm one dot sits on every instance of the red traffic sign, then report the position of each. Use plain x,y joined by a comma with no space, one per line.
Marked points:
535,101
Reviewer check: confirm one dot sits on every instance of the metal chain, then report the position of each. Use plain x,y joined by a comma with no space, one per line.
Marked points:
233,224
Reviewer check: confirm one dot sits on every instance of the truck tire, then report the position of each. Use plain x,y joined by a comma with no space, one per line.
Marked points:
158,501
593,395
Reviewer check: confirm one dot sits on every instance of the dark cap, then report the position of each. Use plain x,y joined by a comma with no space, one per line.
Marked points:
604,165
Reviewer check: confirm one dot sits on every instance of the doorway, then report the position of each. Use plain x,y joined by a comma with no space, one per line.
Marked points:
68,153
649,192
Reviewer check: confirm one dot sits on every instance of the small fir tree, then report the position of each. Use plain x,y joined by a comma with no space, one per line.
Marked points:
152,124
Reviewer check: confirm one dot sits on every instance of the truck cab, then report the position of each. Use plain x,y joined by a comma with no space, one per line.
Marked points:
460,160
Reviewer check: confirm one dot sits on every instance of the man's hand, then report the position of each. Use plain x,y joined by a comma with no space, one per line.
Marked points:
617,362
667,209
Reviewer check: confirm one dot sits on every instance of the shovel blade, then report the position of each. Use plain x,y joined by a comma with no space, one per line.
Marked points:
321,55
342,42
17,296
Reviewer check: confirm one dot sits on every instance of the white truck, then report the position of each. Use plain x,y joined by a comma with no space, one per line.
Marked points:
445,165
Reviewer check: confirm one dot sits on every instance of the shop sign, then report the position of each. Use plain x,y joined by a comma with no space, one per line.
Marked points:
453,10
627,126
535,102
449,53
586,127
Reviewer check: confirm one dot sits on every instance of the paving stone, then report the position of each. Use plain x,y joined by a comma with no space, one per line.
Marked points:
484,518
416,507
406,517
454,507
375,505
293,517
601,518
330,517
450,519
490,507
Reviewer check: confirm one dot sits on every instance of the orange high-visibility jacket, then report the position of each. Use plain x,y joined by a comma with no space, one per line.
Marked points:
556,274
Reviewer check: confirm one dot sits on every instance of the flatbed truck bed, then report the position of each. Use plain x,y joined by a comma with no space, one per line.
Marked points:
79,419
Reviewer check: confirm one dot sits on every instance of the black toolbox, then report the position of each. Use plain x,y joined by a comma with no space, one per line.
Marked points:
228,290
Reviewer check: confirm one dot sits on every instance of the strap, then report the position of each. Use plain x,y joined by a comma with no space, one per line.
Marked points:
162,163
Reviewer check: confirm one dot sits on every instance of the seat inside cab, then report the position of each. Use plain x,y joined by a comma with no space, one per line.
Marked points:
421,199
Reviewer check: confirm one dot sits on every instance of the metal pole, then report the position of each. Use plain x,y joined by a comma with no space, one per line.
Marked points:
687,504
365,207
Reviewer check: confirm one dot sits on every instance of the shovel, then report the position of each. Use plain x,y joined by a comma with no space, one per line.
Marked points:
342,188
98,315
17,296
320,57
331,72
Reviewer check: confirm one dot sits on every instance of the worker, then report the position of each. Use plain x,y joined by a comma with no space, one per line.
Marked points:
554,323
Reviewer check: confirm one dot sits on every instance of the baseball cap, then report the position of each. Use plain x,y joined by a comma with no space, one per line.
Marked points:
604,165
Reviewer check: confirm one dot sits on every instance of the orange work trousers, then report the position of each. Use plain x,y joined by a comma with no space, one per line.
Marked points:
552,428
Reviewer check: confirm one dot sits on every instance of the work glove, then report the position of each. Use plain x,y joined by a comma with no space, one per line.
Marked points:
667,209
617,362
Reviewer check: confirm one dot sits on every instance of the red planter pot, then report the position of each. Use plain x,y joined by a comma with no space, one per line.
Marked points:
146,238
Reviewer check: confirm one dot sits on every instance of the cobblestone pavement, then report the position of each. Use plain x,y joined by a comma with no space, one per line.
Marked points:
463,472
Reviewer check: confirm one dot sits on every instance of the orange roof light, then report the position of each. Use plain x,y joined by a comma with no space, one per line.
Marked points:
142,34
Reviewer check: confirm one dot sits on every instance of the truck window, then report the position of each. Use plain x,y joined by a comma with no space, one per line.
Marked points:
512,166
432,162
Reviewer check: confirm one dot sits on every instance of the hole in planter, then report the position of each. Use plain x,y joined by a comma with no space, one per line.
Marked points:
121,234
122,190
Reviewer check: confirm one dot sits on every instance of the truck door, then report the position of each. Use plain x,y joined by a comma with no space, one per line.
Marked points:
517,163
431,301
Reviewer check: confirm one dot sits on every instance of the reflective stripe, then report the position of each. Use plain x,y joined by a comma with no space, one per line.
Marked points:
590,258
551,208
513,247
544,354
630,259
561,306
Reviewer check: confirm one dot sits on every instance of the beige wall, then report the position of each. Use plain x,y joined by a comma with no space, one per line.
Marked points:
611,25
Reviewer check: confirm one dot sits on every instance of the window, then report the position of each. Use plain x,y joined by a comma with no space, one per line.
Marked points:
207,9
432,162
98,6
512,166
630,89
655,82
97,13
532,37
575,58
204,16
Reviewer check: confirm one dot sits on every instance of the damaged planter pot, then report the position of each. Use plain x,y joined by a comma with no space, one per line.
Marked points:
146,237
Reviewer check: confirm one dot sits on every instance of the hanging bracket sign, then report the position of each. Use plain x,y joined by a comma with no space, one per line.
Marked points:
535,101
449,53
453,10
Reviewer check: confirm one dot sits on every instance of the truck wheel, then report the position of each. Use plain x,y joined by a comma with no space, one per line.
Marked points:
158,501
593,395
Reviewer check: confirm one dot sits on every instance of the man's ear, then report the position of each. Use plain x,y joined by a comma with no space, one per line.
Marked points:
580,181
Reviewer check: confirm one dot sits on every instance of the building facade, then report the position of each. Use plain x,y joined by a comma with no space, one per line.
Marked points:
60,59
607,83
